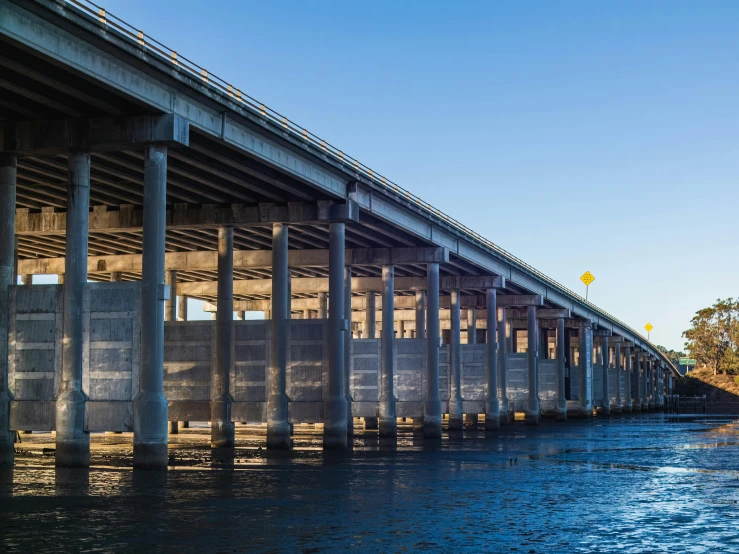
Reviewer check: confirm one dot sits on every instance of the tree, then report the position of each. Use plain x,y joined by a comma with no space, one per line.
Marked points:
672,355
713,338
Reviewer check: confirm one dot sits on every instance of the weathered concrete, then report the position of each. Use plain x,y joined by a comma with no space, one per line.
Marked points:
561,400
72,436
644,382
431,400
370,322
322,305
8,174
334,406
585,407
618,406
628,372
278,428
533,408
221,426
420,306
170,305
505,416
492,403
471,326
605,363
150,405
455,422
181,307
348,348
386,407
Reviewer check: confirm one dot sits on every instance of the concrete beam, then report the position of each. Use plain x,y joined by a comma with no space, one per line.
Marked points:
243,259
521,300
543,313
129,218
109,134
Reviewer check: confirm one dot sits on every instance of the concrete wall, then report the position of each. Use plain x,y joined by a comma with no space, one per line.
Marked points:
547,384
518,381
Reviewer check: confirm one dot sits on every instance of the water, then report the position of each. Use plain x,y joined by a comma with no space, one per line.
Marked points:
642,484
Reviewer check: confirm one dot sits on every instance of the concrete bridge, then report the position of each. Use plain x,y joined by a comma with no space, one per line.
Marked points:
141,179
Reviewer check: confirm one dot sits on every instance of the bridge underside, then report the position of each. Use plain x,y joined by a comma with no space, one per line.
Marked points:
140,185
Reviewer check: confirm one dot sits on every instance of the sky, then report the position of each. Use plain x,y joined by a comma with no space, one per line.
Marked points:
598,136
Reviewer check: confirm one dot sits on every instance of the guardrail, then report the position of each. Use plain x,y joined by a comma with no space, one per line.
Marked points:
148,43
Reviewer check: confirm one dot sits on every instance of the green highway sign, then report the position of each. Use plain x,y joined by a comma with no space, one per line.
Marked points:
686,361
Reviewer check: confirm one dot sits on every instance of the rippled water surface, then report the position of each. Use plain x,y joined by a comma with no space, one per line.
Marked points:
641,484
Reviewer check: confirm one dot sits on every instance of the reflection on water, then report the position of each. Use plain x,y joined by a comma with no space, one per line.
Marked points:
643,484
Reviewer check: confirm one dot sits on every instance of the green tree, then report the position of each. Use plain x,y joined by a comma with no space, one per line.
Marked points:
713,337
673,355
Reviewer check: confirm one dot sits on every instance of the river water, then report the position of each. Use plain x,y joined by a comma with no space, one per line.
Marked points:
632,484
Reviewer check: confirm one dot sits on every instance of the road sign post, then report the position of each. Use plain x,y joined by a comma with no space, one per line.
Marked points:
587,278
687,362
648,327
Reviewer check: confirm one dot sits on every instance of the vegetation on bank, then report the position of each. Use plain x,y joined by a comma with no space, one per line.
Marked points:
703,382
713,337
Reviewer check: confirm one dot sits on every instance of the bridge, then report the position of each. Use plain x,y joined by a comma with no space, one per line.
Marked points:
142,180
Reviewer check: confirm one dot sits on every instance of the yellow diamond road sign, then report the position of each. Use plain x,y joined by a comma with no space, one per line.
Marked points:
649,327
587,278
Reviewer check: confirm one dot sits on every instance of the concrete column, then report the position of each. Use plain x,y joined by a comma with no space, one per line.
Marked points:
401,329
182,308
334,407
586,372
643,386
455,365
618,408
26,279
306,314
60,279
503,367
115,277
532,408
560,408
636,368
7,278
627,404
370,316
72,440
471,326
241,315
322,305
420,314
431,399
492,404
348,348
386,407
604,357
221,426
652,385
150,405
278,428
170,306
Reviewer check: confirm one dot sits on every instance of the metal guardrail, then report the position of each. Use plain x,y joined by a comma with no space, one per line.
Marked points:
181,63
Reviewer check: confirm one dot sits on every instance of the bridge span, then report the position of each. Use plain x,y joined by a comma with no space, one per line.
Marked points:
141,180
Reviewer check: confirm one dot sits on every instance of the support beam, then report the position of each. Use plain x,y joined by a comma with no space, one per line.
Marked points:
8,174
560,408
471,326
221,426
348,348
432,401
637,382
502,366
386,413
72,438
586,372
492,404
334,407
150,405
243,259
618,406
370,319
533,409
183,217
605,363
420,306
322,303
455,366
628,405
170,305
513,300
109,134
181,307
278,428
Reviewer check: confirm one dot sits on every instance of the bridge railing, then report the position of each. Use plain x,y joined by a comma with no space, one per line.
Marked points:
181,63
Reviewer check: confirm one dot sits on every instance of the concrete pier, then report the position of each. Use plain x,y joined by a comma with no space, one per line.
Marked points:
605,361
492,403
586,372
637,380
455,422
505,416
431,399
628,402
618,407
170,305
150,406
471,326
533,408
72,437
386,407
8,174
560,408
181,308
420,314
322,305
370,320
348,348
334,406
644,383
221,426
278,428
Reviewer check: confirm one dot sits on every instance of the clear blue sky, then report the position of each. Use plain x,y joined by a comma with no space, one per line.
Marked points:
596,136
